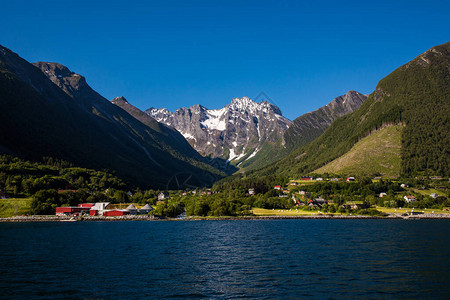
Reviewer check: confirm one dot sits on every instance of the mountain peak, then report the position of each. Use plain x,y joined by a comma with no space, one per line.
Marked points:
119,99
55,69
234,132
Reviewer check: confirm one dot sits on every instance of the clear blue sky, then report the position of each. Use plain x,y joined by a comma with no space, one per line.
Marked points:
179,53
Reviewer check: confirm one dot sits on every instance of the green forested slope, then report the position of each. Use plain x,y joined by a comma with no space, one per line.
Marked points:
416,95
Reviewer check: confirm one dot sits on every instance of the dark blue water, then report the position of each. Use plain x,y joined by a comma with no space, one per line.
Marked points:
226,259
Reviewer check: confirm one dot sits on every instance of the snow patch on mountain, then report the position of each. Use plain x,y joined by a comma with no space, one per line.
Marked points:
236,129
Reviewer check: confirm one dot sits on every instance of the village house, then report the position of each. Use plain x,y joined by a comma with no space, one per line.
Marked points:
251,191
306,178
359,206
98,208
163,196
434,195
350,179
409,199
317,202
277,187
319,179
286,191
382,195
304,194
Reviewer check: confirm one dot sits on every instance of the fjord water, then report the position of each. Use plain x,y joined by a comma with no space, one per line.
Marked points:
226,259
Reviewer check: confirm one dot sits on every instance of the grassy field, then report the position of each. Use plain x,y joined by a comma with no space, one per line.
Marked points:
427,192
376,153
14,207
404,210
281,212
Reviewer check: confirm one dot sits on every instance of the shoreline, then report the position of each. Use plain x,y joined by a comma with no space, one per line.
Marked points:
19,219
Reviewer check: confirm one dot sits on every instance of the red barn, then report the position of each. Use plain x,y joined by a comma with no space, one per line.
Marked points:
69,210
115,213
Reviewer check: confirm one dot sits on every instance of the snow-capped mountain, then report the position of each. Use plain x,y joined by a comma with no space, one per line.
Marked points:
235,132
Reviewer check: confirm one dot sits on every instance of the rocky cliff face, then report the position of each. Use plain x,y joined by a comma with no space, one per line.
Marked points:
236,132
310,125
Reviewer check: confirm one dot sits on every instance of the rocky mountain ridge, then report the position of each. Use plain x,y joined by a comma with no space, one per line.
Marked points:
235,132
52,112
305,129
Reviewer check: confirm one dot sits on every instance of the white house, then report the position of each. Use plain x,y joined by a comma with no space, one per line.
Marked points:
409,199
163,196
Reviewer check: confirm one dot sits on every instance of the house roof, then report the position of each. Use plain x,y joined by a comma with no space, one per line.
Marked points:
131,207
100,206
147,207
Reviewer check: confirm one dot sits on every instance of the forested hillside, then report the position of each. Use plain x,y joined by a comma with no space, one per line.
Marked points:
416,95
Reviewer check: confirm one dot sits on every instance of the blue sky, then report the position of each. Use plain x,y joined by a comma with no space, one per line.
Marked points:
179,53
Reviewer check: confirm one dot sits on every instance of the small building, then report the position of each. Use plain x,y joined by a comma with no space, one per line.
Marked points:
304,194
317,202
145,209
132,209
98,208
70,210
403,185
350,179
434,195
163,196
251,191
383,195
359,206
115,213
306,178
294,183
277,187
286,191
319,179
409,199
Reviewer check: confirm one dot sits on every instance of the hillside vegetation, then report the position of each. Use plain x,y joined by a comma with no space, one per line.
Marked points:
417,95
376,153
